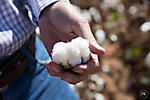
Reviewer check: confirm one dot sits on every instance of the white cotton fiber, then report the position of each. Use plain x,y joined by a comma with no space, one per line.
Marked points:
83,45
71,53
59,53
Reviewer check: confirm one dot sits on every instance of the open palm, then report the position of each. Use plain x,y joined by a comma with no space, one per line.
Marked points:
62,22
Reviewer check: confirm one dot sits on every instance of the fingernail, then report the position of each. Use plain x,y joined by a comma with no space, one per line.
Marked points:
68,79
56,69
101,48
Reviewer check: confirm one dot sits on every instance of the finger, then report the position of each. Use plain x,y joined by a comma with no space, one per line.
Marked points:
90,66
95,48
73,78
54,69
81,28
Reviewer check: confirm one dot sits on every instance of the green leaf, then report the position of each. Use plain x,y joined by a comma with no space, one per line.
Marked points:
115,15
129,53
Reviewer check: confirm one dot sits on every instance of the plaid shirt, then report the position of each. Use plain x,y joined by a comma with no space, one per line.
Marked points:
15,23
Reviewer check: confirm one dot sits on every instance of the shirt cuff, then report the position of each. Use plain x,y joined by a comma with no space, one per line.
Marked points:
38,5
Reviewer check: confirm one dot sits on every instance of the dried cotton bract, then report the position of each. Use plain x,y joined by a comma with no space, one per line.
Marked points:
71,53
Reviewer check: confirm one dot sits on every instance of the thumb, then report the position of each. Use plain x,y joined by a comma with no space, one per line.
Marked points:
81,27
96,49
84,31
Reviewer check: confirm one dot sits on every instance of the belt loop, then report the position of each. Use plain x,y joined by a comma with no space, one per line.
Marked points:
29,56
14,65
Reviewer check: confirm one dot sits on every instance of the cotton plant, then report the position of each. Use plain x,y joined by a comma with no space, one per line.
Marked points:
100,36
99,96
95,14
145,27
100,82
71,53
113,37
87,15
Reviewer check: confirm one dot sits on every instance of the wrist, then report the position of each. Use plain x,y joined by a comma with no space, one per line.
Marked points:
45,9
50,6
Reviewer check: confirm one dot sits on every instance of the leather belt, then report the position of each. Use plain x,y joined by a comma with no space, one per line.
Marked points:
17,63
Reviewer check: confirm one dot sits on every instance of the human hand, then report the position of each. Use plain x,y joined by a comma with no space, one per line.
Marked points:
62,22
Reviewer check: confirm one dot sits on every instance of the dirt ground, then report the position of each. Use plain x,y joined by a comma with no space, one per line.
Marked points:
122,68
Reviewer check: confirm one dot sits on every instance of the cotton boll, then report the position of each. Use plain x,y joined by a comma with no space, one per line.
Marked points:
56,58
105,68
59,54
100,36
77,8
113,37
93,10
95,13
83,45
58,45
89,94
97,17
120,7
99,96
94,77
80,42
81,84
145,27
85,55
106,4
100,84
87,15
133,10
75,60
71,53
74,56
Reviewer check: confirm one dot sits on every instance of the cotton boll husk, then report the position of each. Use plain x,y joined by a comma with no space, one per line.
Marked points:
83,45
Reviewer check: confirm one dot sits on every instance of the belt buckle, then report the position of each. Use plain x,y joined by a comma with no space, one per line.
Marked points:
3,88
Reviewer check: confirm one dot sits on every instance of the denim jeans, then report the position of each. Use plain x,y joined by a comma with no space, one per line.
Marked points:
37,84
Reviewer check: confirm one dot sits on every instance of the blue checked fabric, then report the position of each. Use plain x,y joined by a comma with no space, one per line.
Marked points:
18,19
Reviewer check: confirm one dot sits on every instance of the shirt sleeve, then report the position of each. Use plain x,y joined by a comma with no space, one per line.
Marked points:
35,7
15,27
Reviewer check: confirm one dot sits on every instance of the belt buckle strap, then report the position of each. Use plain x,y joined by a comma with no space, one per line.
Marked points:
16,64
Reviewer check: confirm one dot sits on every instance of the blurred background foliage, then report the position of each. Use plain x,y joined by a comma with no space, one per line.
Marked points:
122,27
